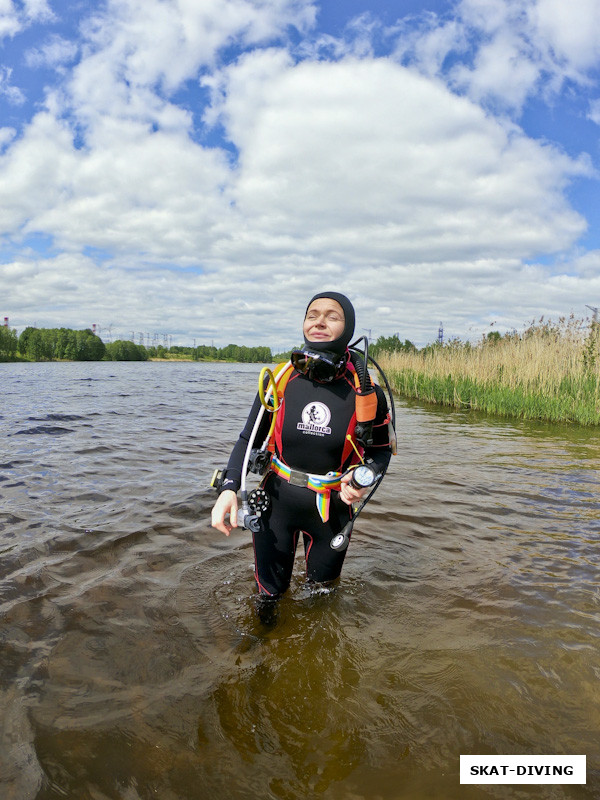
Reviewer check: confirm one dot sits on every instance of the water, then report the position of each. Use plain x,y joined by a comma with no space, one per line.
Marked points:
132,664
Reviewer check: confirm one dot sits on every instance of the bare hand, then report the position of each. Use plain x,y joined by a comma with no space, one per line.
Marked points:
226,504
348,493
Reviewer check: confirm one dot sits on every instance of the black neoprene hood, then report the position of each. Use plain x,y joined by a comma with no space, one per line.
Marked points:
339,345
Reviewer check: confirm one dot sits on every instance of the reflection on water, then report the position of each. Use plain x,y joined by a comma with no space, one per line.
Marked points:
133,664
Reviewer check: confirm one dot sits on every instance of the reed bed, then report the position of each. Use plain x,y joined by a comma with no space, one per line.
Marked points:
549,372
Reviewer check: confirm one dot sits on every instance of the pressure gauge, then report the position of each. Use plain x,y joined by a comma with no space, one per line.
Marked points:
363,476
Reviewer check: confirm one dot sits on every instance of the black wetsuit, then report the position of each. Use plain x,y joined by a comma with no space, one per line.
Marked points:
310,436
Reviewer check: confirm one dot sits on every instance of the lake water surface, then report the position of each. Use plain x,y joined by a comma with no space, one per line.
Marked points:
132,664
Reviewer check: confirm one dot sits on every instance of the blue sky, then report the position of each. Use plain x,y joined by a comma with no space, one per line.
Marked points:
201,169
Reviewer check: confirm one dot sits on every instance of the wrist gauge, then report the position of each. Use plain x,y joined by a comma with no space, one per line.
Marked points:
363,477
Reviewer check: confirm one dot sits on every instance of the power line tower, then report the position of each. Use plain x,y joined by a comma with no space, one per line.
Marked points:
441,334
594,309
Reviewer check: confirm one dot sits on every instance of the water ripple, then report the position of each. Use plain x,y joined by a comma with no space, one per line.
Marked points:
134,663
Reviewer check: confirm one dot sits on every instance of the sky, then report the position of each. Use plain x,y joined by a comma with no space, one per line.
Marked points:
198,169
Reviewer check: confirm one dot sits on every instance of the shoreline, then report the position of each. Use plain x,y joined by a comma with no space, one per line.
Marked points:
464,394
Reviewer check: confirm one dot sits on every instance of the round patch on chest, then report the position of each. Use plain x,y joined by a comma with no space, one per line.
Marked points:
315,418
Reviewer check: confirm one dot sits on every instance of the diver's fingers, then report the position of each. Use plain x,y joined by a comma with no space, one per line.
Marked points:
349,494
218,521
220,526
226,504
233,513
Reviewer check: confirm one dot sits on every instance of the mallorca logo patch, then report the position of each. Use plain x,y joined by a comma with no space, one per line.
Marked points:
315,419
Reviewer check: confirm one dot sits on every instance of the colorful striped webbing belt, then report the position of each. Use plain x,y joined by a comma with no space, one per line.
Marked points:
321,484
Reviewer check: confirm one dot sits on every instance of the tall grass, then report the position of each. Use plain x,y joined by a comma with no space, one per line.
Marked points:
550,372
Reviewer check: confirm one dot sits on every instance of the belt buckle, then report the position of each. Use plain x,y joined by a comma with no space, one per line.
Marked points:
298,478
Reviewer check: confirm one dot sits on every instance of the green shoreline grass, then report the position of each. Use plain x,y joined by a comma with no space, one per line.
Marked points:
550,373
579,404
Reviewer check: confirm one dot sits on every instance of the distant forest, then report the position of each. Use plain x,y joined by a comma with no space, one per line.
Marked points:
54,344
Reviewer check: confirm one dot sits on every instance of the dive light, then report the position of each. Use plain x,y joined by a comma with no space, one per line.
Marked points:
217,479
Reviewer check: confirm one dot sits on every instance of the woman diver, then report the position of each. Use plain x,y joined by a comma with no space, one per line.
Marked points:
312,485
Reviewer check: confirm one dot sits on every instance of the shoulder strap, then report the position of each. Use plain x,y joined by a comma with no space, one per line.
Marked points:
282,381
283,378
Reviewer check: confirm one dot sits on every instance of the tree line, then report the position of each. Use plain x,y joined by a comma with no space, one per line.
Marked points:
391,344
231,352
49,344
8,342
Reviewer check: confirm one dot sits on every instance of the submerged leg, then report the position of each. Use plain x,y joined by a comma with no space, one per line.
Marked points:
267,609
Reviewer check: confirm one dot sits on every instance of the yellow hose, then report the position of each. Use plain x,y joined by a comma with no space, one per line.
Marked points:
271,383
261,390
351,440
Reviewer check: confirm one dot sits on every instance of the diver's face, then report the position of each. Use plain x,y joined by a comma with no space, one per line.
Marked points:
324,321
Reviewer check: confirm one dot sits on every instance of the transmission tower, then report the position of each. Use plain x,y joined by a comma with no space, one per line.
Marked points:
594,309
441,334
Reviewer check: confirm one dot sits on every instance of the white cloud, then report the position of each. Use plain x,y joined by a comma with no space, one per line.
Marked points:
37,10
369,160
501,69
6,136
571,32
428,42
356,173
594,111
156,194
9,19
56,52
506,50
264,305
12,93
165,43
14,16
132,187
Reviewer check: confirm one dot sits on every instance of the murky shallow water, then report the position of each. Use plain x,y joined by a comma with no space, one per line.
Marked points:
132,665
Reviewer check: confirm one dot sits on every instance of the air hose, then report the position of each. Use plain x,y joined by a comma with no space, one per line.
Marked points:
246,517
342,539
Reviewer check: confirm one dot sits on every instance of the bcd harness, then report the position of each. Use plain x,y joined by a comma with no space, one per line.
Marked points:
358,437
